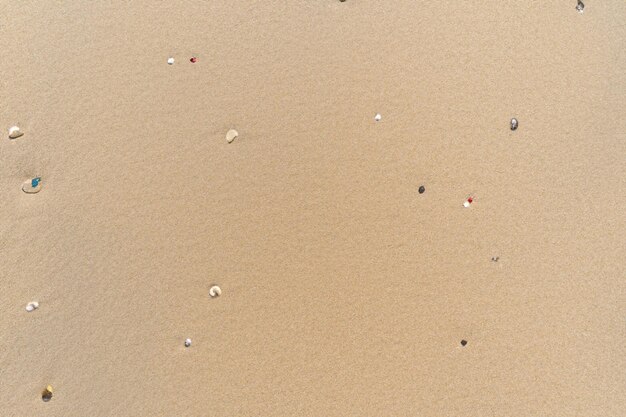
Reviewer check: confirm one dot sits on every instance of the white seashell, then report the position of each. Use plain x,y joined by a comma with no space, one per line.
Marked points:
33,305
170,61
378,117
187,342
231,135
215,291
466,204
15,132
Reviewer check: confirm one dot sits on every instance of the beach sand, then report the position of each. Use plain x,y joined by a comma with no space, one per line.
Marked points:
345,292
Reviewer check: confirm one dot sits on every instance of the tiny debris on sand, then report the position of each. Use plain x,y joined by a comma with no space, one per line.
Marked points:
32,306
15,132
215,291
231,135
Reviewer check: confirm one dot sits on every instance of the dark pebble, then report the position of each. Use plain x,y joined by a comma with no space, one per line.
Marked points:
421,189
463,342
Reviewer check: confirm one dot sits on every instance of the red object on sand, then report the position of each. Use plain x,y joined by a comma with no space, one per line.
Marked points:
193,59
470,199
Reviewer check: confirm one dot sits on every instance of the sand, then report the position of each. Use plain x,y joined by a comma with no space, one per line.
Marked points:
345,292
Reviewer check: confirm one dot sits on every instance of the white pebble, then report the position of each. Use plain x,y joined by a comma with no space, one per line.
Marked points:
170,61
231,135
187,342
378,117
15,132
33,305
215,291
466,204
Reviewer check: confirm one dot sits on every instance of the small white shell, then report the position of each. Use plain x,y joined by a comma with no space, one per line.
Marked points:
378,117
170,61
466,204
215,291
33,305
15,132
231,135
187,342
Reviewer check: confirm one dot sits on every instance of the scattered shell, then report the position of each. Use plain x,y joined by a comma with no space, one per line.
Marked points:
193,60
467,202
33,305
514,124
495,258
46,394
15,132
215,291
170,61
378,117
32,186
580,6
421,189
187,342
231,135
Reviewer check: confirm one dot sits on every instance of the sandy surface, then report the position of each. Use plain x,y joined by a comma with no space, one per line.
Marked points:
345,292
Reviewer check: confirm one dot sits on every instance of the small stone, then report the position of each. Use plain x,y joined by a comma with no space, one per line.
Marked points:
495,258
231,135
378,117
514,124
15,132
32,306
215,291
193,60
421,189
580,7
187,342
463,342
170,61
467,202
46,394
32,186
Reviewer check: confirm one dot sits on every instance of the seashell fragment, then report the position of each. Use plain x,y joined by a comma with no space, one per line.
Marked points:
15,132
32,306
231,135
215,291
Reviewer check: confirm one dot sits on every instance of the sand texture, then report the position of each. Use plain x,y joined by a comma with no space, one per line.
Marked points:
344,290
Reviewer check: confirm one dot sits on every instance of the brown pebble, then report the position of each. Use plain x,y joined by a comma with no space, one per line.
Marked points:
46,394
